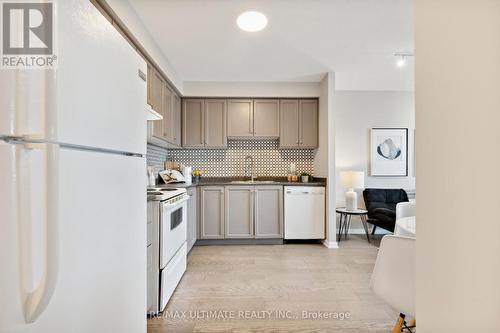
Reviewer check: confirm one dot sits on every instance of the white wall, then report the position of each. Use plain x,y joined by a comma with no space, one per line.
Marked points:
324,160
321,157
251,89
132,21
458,166
356,112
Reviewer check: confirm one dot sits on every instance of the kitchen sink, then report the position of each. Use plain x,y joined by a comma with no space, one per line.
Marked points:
253,182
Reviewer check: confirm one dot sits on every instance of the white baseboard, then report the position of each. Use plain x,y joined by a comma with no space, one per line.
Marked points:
330,245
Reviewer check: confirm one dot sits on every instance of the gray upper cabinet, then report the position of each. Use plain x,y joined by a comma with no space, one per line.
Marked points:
193,123
177,120
239,117
253,118
239,211
308,130
168,114
266,117
164,100
155,85
211,212
289,123
268,211
215,123
299,123
204,123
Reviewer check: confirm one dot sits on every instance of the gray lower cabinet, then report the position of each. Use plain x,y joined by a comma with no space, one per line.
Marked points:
239,211
211,212
192,217
268,211
253,212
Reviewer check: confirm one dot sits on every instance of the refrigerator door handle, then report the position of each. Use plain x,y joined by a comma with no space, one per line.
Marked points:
36,301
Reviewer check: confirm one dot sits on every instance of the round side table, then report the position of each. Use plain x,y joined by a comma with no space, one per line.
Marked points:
345,221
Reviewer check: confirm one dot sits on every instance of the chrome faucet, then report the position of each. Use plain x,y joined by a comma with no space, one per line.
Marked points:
249,166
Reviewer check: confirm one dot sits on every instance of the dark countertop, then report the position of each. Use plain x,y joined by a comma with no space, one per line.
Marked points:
220,181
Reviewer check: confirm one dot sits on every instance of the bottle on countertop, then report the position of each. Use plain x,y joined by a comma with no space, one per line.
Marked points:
186,172
151,176
292,174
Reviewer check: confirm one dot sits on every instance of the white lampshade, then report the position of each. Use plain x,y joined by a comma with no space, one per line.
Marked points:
352,179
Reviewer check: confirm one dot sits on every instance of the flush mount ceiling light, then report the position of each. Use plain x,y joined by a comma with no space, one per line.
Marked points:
252,21
402,57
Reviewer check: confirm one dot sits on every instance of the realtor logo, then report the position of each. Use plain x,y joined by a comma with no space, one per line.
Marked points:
28,35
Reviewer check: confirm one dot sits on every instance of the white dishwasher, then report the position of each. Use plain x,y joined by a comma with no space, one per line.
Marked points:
304,212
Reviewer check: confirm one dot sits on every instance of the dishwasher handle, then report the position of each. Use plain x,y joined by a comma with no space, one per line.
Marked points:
308,191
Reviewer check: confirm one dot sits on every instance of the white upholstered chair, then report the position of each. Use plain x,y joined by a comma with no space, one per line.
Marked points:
393,278
405,209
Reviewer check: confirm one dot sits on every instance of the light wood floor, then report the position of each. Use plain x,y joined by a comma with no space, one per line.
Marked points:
293,278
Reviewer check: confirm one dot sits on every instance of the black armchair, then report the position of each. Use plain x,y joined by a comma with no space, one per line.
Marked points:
381,206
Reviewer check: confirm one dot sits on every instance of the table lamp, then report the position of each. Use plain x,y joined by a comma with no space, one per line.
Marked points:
352,180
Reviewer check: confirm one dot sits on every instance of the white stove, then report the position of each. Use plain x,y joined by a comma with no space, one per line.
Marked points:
169,248
162,194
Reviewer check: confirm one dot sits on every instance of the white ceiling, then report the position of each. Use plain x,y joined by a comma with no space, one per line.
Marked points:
303,39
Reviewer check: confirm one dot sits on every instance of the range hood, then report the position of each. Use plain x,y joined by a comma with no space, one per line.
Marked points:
152,114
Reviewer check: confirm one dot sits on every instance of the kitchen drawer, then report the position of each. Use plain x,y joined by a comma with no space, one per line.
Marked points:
172,274
150,233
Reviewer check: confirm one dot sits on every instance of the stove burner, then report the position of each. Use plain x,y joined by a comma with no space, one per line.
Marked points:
162,194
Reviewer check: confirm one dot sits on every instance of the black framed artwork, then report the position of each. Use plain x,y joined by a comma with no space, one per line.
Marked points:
389,152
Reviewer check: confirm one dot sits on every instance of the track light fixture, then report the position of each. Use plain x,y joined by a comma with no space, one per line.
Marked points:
402,57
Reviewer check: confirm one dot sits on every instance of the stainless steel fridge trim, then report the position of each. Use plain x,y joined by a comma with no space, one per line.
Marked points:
22,140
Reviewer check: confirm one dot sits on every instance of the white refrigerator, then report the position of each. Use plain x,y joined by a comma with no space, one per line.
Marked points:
73,184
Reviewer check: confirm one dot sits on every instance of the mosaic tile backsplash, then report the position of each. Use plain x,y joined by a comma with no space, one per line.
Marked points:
156,156
230,162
